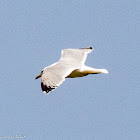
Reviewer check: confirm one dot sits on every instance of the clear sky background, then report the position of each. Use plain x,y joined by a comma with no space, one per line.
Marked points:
96,107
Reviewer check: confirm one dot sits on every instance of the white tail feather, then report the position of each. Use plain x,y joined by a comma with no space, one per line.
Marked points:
104,71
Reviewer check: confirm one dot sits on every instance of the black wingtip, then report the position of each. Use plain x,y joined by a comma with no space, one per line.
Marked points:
46,88
87,48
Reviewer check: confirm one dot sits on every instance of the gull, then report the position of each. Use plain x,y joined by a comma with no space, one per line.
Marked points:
70,65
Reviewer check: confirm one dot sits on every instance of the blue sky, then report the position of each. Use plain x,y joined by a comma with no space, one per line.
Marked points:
96,107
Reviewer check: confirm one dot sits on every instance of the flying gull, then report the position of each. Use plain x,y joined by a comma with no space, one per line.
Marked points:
70,65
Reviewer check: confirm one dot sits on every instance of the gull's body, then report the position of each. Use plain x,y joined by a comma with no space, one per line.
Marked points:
70,65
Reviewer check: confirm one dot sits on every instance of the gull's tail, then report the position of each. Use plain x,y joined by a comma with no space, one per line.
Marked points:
89,70
104,71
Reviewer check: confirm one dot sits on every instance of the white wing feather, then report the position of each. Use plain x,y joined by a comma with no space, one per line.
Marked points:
75,56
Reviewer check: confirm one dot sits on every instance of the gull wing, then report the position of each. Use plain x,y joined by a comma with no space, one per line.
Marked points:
75,56
54,75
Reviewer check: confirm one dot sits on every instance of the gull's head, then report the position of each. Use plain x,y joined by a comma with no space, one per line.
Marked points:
38,76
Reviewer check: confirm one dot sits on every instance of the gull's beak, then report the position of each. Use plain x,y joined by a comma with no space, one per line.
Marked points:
38,76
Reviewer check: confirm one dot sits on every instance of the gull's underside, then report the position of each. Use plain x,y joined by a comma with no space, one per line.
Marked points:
70,65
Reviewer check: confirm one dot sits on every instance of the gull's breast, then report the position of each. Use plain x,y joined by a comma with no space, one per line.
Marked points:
77,73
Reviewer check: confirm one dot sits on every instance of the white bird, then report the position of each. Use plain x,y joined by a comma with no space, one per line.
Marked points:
70,65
